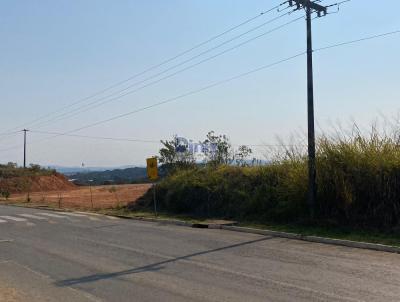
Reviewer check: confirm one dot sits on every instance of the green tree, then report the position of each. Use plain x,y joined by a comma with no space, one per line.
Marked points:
35,168
11,165
242,154
173,155
218,149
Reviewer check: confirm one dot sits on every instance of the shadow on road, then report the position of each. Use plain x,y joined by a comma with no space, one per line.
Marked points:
150,267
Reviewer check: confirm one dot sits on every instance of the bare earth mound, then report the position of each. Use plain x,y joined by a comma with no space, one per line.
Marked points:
23,184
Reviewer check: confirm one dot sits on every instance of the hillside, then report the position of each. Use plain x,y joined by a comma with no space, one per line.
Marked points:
14,179
75,170
117,176
36,183
12,170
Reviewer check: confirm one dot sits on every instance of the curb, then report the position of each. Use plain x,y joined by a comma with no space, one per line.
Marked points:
315,239
156,220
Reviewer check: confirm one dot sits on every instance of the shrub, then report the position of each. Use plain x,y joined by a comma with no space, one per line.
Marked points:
236,192
358,180
12,170
5,194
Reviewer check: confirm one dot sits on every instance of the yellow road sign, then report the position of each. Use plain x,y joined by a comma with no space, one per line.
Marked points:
152,171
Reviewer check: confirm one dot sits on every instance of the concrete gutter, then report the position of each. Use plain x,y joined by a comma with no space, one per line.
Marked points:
155,220
315,239
339,242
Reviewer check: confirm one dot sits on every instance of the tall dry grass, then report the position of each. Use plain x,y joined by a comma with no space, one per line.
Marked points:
358,179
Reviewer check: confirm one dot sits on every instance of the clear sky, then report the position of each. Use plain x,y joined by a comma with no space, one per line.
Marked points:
53,53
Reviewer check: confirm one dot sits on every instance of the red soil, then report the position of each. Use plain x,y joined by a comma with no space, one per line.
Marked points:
36,184
82,197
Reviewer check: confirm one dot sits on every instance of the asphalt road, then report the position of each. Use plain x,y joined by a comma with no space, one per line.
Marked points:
46,256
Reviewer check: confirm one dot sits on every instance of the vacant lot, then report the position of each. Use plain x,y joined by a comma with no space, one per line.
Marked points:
98,197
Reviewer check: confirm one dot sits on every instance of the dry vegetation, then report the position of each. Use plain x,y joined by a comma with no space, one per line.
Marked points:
98,197
37,185
358,179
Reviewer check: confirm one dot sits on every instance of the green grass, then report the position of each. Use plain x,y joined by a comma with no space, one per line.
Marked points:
352,234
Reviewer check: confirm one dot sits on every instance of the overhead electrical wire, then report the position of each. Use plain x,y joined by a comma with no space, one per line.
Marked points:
114,96
96,103
173,99
387,34
153,67
358,40
147,141
9,133
238,76
97,137
186,94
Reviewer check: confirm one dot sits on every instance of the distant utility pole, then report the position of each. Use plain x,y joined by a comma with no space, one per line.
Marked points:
25,130
310,7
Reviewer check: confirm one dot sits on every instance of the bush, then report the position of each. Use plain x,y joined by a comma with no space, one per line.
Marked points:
358,181
11,170
236,192
5,194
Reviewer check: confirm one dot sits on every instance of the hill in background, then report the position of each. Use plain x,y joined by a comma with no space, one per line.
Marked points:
116,176
75,170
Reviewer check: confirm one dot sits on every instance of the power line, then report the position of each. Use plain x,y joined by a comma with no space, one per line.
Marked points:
210,86
165,101
146,140
88,107
154,66
9,133
104,100
284,146
137,140
97,137
358,40
337,4
241,75
11,148
6,135
187,94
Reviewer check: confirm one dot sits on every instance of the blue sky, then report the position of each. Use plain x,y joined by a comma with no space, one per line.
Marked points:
56,52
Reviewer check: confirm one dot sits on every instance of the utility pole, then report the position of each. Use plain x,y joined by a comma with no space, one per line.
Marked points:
310,7
25,130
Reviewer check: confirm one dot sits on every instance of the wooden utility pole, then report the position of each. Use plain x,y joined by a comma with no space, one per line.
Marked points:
310,7
25,130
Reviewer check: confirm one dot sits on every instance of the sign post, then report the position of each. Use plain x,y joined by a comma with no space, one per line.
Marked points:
152,174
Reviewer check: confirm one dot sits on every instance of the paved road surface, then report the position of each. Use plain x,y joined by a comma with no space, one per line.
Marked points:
47,256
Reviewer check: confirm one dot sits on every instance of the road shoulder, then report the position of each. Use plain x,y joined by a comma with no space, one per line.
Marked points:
21,284
230,226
